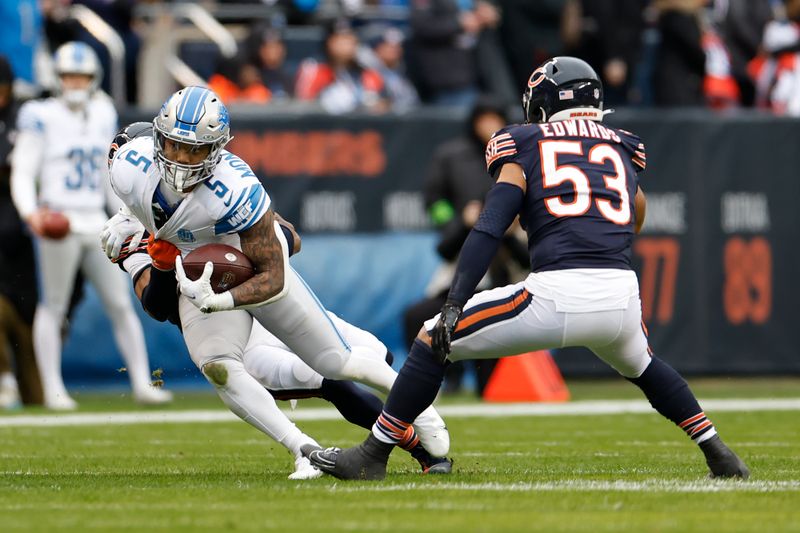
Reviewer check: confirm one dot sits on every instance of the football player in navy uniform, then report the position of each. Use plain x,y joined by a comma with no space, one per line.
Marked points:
574,185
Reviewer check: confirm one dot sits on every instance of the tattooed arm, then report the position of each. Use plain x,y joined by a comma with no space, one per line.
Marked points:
261,245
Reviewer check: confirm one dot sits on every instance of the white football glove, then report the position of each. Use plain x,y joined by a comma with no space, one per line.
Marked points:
199,292
117,230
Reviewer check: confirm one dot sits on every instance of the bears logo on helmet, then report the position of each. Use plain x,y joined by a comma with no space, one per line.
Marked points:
560,84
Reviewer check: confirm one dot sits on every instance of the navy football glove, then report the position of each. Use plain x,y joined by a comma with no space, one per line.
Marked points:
443,330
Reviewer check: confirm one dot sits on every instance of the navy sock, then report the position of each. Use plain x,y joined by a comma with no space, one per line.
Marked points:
356,405
417,384
669,394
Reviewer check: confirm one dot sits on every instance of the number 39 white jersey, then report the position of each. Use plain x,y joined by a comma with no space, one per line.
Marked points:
72,169
215,211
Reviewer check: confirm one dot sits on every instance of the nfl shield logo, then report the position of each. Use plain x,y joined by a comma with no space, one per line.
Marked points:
185,235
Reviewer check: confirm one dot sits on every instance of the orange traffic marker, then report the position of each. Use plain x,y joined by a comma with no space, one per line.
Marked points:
529,377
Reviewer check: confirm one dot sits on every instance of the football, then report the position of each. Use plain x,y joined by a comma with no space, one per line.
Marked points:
231,266
55,225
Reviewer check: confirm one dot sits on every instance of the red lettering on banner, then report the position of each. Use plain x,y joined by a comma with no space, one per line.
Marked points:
747,293
319,153
655,252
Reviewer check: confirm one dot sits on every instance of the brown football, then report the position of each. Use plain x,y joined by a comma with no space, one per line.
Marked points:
231,266
55,225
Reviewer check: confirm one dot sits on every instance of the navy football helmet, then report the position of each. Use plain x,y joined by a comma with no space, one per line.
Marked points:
561,84
127,134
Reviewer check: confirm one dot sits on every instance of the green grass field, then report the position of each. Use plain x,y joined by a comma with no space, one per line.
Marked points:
625,472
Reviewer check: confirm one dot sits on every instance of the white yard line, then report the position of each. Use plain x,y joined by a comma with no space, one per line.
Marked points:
579,485
582,408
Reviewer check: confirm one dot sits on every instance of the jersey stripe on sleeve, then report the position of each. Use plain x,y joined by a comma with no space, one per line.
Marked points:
248,209
639,157
502,145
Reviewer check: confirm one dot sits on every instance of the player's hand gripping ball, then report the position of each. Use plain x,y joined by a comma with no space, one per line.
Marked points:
55,225
231,266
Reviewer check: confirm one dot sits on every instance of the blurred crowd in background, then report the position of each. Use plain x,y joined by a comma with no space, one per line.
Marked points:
384,56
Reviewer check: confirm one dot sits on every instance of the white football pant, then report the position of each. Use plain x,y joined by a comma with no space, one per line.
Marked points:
512,320
59,261
300,321
216,343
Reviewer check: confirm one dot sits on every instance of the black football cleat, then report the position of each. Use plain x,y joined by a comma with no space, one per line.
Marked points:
367,461
721,460
437,465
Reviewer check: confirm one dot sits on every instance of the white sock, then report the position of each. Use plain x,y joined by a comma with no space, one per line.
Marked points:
707,435
364,367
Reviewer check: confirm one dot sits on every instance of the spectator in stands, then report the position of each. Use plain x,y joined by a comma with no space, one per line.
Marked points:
266,51
258,75
341,84
238,82
444,36
21,34
386,57
681,61
776,70
533,32
18,294
455,187
119,15
610,41
740,25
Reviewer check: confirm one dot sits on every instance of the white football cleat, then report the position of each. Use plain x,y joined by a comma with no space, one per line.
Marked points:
303,469
152,396
60,402
9,397
432,432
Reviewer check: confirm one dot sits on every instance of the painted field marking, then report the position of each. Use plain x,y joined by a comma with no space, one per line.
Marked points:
581,485
580,408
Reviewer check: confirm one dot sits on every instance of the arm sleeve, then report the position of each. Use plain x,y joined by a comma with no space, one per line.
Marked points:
160,297
135,264
25,164
289,238
503,203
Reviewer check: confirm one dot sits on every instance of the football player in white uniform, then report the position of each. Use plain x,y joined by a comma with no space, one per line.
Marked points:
59,163
265,357
188,191
268,360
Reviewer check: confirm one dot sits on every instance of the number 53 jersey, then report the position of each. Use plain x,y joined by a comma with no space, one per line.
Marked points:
581,184
215,211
